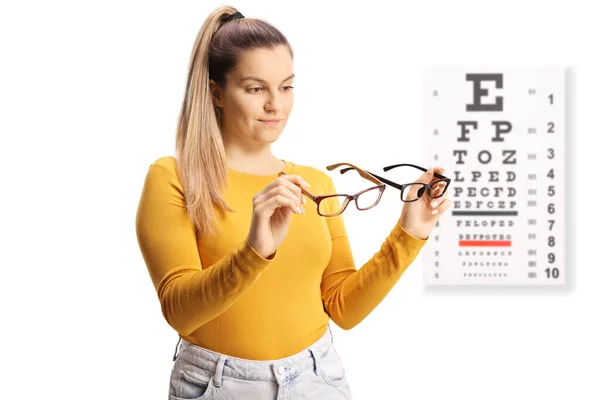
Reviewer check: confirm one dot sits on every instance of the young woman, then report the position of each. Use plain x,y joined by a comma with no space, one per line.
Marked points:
246,272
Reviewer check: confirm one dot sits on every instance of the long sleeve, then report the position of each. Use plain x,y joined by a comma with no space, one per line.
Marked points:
348,294
189,295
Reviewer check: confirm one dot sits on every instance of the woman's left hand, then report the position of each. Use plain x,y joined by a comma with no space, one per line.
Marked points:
419,217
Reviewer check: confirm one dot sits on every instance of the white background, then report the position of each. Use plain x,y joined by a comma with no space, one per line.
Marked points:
89,97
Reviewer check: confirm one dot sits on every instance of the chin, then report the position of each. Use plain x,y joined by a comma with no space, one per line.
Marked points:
270,139
269,136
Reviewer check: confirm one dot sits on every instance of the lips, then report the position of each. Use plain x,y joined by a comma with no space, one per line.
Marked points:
270,122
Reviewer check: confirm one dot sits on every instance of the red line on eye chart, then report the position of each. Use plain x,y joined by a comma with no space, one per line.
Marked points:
484,243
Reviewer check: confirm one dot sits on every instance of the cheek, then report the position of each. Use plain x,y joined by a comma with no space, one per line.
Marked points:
287,105
241,106
238,106
250,108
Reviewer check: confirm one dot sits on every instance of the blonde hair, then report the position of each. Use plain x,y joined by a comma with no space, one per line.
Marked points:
200,152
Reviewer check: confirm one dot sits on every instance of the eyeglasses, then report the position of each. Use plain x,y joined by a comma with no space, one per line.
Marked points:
331,205
413,191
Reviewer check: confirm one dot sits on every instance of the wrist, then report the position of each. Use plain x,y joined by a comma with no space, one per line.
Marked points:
267,255
414,232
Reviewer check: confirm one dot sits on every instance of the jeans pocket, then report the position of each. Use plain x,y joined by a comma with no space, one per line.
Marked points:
192,384
330,368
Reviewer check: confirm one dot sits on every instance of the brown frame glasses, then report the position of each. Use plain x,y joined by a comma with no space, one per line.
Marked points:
380,186
421,191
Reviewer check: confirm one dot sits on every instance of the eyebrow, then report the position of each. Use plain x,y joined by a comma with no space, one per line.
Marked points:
263,81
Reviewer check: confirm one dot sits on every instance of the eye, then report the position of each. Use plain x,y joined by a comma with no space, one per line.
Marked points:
258,89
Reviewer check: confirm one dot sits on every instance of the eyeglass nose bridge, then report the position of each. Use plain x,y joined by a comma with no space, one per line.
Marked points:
347,199
354,198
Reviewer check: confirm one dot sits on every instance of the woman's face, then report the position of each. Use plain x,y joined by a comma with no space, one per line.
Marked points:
258,90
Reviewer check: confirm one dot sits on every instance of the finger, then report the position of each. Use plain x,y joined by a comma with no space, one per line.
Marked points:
296,179
275,202
290,203
437,190
443,206
295,187
283,190
271,190
434,203
291,181
266,210
428,176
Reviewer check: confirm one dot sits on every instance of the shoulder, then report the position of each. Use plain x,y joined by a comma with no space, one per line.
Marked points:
164,169
167,163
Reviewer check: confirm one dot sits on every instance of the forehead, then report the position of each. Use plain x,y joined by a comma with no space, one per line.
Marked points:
272,65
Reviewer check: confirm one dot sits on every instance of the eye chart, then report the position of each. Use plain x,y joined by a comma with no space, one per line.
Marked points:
499,135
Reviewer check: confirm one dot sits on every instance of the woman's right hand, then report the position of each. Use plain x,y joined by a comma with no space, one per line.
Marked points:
272,212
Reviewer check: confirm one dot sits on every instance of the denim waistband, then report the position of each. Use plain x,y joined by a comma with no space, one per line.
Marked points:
269,370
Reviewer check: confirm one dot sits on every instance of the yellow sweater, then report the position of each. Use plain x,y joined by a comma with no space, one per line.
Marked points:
220,294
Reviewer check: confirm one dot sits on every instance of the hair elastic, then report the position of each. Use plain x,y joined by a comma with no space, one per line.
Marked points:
233,16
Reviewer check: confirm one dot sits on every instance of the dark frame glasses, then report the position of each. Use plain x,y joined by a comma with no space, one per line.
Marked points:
434,189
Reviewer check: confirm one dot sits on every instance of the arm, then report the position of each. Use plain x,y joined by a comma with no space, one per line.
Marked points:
348,294
189,295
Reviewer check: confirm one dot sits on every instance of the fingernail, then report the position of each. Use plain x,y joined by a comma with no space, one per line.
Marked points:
303,210
303,200
435,212
305,184
298,210
430,171
434,203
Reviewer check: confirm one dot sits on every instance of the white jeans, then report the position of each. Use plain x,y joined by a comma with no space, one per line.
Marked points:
314,373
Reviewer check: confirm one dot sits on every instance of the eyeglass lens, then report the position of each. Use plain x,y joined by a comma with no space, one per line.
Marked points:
334,204
414,191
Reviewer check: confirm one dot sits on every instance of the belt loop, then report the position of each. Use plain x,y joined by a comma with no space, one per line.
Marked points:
219,371
175,355
330,332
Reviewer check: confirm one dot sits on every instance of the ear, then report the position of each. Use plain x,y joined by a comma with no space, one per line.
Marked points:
215,91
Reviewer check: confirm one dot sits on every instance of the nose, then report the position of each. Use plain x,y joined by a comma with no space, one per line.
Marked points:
273,103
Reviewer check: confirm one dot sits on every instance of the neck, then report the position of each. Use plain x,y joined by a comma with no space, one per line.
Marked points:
258,162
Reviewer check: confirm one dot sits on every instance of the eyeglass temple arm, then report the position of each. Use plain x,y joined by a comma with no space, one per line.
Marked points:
389,167
304,191
362,173
382,179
